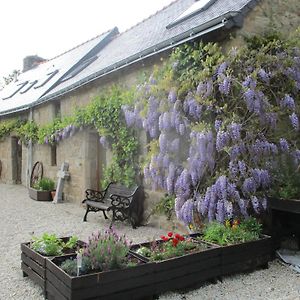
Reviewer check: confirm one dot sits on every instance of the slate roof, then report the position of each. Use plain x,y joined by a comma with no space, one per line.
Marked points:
52,70
150,36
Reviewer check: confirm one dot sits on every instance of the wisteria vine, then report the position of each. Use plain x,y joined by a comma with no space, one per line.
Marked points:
215,144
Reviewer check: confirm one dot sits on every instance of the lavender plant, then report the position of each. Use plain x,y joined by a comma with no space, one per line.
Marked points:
103,252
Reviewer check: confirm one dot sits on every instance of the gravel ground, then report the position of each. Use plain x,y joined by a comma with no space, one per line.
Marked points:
20,217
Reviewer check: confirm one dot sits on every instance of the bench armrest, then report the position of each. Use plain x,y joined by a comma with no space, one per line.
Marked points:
120,201
94,195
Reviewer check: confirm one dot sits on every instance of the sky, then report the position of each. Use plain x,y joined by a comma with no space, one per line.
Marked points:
49,28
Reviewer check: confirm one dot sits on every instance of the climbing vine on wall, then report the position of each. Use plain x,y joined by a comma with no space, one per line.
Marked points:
221,125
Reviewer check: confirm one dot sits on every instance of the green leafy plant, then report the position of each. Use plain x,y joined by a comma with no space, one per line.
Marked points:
50,244
232,232
286,179
172,245
165,206
45,184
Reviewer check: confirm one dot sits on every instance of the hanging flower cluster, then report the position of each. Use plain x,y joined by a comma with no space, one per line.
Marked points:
214,146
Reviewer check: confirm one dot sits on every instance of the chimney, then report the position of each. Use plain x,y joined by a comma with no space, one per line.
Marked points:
31,61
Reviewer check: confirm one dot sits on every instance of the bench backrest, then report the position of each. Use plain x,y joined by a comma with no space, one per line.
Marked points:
117,189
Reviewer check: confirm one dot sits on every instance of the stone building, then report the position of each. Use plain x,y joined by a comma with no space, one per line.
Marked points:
55,87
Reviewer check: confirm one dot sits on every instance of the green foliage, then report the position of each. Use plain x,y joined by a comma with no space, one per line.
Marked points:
50,244
70,266
227,234
28,131
6,127
165,206
45,184
286,179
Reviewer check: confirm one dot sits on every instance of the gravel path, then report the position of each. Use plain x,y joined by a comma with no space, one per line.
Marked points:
20,217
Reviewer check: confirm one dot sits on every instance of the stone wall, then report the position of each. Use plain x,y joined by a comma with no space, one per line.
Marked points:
268,15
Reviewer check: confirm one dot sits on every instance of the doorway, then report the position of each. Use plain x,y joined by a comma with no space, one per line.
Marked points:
16,160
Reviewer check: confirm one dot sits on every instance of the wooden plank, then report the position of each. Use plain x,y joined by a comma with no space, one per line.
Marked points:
53,293
33,254
33,265
33,275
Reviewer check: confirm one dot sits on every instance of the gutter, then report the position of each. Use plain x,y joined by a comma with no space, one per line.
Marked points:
226,20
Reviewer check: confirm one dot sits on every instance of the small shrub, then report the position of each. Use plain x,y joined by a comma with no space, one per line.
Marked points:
45,184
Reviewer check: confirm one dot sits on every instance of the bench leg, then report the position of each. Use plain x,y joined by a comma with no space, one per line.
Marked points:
105,216
87,211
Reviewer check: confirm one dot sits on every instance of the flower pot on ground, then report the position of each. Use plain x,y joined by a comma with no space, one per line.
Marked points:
243,247
41,191
181,262
35,253
104,269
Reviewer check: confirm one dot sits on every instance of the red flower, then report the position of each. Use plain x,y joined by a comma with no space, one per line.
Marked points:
170,234
164,238
175,242
179,237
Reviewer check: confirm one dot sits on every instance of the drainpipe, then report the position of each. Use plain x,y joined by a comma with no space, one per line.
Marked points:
29,153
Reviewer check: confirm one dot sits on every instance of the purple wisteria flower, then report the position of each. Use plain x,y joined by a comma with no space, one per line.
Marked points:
295,121
222,140
284,145
224,86
218,124
235,131
172,97
249,186
264,75
187,212
222,68
288,102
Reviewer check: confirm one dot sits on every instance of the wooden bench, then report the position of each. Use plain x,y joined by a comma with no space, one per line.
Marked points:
124,203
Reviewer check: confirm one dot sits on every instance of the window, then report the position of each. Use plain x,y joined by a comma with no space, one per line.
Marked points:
53,155
20,86
57,110
49,77
79,67
197,7
31,84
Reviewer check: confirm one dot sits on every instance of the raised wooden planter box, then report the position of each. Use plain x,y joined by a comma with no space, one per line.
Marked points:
288,205
33,264
187,270
39,195
247,256
125,284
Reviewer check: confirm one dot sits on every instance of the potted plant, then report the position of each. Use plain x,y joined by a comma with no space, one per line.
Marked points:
103,268
243,247
35,252
180,261
41,191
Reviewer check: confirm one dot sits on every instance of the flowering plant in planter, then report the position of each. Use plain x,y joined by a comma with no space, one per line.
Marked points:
232,231
171,245
103,252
